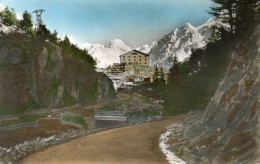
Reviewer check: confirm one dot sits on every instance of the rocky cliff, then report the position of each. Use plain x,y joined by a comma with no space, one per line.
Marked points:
228,131
39,74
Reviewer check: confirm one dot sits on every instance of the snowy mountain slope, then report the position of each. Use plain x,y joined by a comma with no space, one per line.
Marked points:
180,43
107,54
147,47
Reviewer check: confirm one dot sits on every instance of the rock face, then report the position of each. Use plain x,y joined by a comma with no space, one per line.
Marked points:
39,74
181,42
229,129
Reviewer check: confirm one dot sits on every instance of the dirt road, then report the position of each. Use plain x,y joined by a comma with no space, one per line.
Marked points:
133,144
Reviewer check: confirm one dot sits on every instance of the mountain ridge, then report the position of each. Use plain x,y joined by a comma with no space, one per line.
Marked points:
108,54
179,42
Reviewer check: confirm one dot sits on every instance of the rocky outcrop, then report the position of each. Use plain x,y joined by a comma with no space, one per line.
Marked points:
228,131
38,74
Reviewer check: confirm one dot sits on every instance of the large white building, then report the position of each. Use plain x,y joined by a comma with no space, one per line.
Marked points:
135,57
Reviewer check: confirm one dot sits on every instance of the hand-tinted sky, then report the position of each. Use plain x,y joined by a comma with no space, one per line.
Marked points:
97,21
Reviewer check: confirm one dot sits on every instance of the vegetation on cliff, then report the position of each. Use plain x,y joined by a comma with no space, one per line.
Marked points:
39,70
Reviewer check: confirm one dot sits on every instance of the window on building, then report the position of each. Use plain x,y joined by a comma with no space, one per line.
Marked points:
140,59
128,56
129,59
145,62
140,63
145,59
134,59
123,59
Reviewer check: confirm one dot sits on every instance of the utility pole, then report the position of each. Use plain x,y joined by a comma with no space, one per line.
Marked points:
38,18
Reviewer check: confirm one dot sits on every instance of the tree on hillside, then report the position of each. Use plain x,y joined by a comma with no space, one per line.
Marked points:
225,10
54,36
43,31
161,76
174,75
155,74
238,14
66,41
248,12
80,54
8,17
26,23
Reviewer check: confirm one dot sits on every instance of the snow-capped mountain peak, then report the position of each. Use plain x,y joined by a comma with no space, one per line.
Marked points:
117,44
107,54
147,47
181,42
189,26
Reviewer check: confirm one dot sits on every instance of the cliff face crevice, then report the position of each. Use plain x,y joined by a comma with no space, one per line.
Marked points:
38,74
228,131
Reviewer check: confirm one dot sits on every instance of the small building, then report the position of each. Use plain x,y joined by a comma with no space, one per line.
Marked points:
108,119
116,68
135,57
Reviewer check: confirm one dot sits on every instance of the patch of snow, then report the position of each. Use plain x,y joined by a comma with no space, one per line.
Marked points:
147,47
108,54
48,139
165,149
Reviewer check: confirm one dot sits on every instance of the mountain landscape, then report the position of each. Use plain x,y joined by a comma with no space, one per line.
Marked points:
231,119
179,43
147,47
196,100
108,54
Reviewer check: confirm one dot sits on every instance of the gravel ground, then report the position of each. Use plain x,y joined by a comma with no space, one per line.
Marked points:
132,144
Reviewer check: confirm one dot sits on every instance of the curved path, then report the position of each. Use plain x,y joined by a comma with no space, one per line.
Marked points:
132,144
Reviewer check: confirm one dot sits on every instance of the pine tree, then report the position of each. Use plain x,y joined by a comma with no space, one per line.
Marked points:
54,36
26,23
43,31
225,10
155,74
174,75
161,77
66,41
238,14
247,13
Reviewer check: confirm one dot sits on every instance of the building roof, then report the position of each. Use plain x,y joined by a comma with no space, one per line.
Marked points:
137,52
110,115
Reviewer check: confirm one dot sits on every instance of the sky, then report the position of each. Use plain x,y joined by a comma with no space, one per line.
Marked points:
137,22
